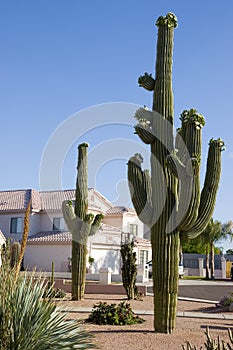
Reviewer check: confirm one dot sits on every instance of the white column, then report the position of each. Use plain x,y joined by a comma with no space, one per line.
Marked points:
105,276
223,267
201,266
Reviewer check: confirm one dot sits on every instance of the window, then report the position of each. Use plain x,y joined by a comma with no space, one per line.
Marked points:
143,257
16,225
133,228
58,224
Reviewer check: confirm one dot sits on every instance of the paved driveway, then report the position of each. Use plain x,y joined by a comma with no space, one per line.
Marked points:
208,290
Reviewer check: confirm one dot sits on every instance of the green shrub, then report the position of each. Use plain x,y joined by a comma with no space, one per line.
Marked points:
226,300
30,322
213,344
52,292
113,314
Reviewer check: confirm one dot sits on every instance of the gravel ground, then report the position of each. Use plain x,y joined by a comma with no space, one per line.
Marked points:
142,336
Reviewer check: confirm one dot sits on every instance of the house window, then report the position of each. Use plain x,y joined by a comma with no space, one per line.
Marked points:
133,228
16,225
143,257
58,224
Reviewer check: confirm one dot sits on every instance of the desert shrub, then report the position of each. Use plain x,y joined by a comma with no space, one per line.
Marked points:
226,300
30,322
113,314
52,292
213,344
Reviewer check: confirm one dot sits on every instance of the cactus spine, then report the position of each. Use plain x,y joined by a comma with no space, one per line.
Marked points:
170,201
81,224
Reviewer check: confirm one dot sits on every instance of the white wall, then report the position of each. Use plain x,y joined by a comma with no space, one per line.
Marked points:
97,201
41,257
132,219
105,257
112,220
123,222
35,223
5,222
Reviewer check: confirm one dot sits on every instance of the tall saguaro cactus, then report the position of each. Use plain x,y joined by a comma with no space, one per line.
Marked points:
169,200
81,224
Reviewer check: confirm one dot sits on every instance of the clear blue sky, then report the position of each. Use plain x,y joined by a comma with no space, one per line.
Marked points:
60,57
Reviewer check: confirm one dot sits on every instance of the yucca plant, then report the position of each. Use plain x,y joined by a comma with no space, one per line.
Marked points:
30,322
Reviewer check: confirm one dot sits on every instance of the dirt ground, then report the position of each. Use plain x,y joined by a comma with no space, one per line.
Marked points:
142,336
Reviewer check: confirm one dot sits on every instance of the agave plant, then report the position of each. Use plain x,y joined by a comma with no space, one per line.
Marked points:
29,321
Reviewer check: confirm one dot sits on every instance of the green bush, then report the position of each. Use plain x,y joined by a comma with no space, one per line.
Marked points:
52,292
113,314
213,344
30,322
226,300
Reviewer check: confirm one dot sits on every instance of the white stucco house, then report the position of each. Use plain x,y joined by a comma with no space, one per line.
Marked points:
49,239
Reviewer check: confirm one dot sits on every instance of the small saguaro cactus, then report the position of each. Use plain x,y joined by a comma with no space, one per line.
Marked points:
81,224
169,200
129,268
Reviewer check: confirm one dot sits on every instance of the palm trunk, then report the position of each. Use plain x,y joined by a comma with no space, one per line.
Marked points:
207,262
212,260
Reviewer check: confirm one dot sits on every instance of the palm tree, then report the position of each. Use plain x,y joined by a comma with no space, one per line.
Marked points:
214,232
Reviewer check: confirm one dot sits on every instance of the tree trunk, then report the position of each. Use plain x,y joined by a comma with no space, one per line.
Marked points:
212,260
207,262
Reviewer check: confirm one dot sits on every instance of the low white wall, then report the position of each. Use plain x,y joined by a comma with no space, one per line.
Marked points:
110,258
41,257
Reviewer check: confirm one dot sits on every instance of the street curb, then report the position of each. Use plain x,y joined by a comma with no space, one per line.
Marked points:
185,314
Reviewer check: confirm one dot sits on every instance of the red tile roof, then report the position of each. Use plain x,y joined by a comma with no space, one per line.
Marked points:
119,210
50,237
64,236
52,200
17,200
142,241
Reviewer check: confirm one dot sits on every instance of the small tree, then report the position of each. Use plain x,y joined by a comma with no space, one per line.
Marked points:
129,269
214,232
